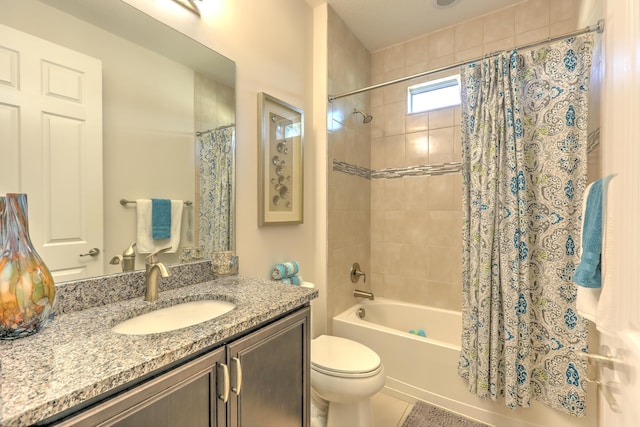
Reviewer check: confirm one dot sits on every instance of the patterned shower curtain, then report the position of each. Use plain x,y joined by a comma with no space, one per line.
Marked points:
216,190
524,173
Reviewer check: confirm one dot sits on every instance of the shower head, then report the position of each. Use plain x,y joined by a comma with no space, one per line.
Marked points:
366,118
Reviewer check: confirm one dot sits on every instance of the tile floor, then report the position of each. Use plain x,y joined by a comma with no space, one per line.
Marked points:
389,411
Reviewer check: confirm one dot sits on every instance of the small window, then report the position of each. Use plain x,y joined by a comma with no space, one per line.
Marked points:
435,94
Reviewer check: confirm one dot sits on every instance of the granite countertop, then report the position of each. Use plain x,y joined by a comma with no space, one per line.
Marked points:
77,356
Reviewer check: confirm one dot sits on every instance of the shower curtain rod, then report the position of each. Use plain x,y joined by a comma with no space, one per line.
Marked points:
599,27
200,133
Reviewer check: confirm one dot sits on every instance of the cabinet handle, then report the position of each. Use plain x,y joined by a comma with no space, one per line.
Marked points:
224,396
238,386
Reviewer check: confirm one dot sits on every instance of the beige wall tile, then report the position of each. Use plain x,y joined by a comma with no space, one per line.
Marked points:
498,45
442,61
444,295
442,118
442,193
416,122
376,96
499,25
393,58
457,144
377,63
416,193
441,43
417,51
562,27
417,148
395,230
532,36
468,34
394,151
396,92
417,68
377,153
394,116
441,144
531,14
394,194
445,264
469,54
561,10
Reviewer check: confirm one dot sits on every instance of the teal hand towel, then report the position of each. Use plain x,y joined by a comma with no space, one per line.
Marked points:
588,274
161,218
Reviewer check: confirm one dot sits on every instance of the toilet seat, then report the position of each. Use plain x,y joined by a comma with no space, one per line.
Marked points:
344,358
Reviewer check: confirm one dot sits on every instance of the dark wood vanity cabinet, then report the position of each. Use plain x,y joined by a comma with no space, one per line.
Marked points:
261,380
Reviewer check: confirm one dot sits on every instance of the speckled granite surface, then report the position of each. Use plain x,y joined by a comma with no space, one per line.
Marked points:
77,356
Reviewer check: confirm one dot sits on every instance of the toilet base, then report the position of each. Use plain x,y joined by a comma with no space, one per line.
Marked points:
356,414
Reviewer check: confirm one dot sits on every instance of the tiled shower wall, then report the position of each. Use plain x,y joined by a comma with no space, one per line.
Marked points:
414,223
348,196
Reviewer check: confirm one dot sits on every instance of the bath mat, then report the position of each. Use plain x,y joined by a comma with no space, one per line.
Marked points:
424,415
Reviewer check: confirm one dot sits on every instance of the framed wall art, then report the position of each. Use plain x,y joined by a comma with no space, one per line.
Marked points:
280,169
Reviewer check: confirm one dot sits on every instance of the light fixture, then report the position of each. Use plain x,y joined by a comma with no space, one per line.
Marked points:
190,5
444,3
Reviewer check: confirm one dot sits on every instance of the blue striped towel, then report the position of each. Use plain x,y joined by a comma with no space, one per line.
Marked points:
293,280
284,270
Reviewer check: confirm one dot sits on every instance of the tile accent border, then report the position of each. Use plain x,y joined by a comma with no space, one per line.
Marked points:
391,173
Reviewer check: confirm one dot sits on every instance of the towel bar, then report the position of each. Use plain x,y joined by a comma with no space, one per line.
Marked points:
125,202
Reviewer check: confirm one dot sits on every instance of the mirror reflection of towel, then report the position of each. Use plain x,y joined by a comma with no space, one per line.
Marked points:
161,218
145,242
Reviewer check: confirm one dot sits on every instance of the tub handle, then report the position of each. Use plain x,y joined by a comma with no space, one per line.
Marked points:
356,273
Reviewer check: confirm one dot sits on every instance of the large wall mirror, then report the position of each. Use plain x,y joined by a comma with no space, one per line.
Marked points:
164,129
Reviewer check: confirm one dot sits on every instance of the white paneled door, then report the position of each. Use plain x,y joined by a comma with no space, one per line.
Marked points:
51,145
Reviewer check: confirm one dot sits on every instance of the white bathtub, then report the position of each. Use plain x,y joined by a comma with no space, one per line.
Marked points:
427,368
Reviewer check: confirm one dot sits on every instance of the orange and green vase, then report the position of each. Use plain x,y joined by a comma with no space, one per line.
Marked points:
27,290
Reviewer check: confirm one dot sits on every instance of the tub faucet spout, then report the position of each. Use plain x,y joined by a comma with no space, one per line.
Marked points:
363,294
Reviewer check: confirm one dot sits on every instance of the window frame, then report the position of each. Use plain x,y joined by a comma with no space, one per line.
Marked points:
433,86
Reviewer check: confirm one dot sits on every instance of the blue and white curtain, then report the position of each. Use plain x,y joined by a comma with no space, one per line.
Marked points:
524,119
216,190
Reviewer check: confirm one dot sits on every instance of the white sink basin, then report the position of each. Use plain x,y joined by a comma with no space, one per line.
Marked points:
175,317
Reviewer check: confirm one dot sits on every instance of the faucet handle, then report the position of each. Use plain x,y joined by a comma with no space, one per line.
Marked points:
153,257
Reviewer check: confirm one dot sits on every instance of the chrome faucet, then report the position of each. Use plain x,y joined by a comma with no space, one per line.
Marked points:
154,268
363,294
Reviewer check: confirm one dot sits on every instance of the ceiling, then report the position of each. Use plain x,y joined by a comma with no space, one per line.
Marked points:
381,23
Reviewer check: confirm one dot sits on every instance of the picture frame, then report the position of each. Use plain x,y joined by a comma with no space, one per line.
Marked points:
280,162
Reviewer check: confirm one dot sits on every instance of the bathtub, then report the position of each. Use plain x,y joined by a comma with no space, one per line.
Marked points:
426,368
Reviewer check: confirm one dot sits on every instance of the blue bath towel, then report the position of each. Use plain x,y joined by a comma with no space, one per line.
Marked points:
161,218
588,273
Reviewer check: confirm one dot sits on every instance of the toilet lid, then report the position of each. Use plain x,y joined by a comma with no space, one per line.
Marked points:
342,356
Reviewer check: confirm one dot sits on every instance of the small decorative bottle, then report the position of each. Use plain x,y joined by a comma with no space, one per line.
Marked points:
27,290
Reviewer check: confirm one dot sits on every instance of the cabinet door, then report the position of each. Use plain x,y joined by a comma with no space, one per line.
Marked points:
185,396
270,367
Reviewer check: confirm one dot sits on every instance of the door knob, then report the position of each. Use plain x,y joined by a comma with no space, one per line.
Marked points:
92,252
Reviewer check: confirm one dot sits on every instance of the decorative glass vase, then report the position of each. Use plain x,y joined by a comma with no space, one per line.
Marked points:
27,290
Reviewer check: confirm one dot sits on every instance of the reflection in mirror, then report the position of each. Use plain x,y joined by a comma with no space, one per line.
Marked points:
166,122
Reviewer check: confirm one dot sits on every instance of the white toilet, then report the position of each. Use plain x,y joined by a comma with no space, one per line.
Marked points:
344,376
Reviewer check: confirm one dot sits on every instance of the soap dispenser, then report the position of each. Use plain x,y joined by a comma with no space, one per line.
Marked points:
127,259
